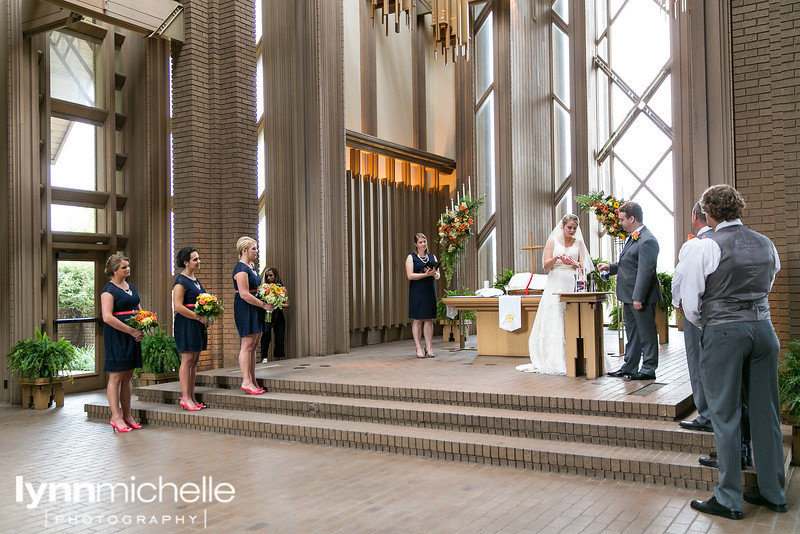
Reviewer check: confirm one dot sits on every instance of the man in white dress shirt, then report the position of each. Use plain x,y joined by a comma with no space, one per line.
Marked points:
724,291
691,334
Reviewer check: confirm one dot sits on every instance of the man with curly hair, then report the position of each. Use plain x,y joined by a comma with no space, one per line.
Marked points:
724,291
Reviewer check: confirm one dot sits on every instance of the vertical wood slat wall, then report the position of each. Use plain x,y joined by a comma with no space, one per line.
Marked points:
384,217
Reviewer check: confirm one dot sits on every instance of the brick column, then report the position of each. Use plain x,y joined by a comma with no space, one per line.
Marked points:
214,150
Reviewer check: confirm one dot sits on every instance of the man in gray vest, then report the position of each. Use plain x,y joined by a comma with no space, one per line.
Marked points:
724,291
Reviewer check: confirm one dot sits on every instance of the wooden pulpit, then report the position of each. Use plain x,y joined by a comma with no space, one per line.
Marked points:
583,332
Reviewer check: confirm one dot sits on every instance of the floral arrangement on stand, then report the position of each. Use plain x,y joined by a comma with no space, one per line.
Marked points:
455,228
272,294
208,306
606,208
143,320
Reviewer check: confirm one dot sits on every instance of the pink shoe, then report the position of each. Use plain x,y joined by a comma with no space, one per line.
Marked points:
134,425
185,406
120,429
258,391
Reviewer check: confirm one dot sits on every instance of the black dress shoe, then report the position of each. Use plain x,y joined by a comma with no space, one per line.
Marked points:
642,376
618,374
711,461
694,425
759,500
711,506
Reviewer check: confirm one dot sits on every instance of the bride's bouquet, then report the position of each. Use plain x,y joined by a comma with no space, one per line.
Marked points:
208,306
272,294
143,320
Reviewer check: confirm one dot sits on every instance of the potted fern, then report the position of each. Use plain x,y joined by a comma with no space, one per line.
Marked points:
40,363
789,388
160,358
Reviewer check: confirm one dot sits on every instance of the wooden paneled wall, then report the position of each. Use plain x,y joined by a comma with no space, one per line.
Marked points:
384,217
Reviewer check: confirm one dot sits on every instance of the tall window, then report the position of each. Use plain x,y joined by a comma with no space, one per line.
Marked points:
485,139
83,115
262,214
561,101
634,97
76,133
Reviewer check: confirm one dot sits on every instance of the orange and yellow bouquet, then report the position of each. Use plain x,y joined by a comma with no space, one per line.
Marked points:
606,208
272,294
208,306
143,320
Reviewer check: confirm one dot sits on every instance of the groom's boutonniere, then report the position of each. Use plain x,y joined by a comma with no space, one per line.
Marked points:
635,236
690,236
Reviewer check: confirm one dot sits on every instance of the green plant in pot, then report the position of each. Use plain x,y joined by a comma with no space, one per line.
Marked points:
789,389
665,281
40,362
502,280
159,353
41,358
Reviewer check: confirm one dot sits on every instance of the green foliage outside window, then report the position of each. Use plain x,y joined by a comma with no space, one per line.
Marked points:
75,289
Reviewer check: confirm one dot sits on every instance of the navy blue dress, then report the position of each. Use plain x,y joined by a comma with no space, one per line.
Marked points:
249,319
422,292
123,353
190,335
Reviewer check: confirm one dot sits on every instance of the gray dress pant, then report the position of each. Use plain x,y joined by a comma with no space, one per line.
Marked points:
691,340
729,352
640,327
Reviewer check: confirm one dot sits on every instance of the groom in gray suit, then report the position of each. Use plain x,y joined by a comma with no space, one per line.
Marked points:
639,291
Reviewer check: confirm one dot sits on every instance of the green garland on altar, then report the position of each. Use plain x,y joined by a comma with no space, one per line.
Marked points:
455,228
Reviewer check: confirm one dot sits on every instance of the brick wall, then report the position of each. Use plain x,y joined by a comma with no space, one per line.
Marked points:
765,42
215,150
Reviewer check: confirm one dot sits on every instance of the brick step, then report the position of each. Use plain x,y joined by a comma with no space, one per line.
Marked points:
633,407
673,468
562,427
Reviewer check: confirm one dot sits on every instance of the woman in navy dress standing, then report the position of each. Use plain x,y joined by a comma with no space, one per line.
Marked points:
248,312
191,336
422,294
119,302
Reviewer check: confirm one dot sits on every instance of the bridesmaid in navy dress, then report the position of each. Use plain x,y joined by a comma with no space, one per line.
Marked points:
119,302
422,294
191,336
248,312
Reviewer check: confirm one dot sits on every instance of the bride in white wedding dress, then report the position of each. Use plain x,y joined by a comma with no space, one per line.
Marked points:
564,252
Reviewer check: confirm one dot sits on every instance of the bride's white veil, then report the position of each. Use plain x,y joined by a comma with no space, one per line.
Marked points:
558,235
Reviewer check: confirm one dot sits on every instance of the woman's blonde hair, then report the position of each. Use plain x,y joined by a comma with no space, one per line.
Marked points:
113,262
243,243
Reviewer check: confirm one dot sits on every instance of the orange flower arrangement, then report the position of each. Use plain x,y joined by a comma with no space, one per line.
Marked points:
606,208
455,228
272,294
143,320
208,306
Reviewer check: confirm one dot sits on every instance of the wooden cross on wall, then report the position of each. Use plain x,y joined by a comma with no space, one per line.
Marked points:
531,247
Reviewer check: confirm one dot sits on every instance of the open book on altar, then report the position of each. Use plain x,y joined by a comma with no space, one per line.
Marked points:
534,283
